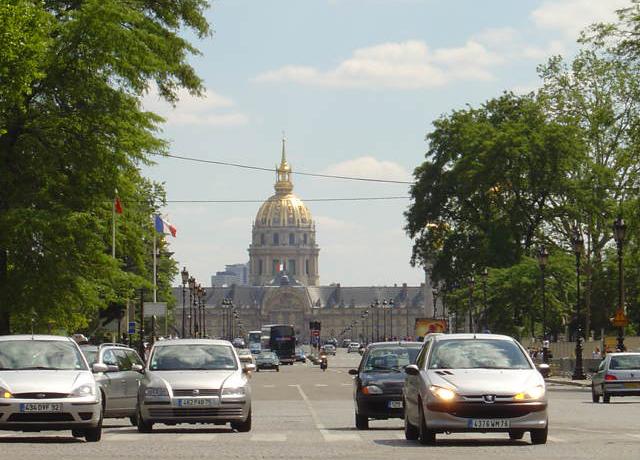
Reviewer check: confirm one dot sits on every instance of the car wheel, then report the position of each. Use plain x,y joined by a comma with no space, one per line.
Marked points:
539,436
242,427
410,431
143,426
606,397
77,433
516,435
257,369
362,422
425,436
94,434
595,397
277,368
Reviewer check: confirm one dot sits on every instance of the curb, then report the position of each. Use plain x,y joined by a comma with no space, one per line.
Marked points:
568,382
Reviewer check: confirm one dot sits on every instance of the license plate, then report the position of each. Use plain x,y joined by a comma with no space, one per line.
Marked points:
197,402
632,385
40,407
395,404
488,423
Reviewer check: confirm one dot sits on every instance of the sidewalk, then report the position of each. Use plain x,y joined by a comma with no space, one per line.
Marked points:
568,381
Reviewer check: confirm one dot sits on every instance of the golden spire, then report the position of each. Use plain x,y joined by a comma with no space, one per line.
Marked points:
283,173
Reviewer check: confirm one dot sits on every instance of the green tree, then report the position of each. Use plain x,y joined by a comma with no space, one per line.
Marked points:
72,131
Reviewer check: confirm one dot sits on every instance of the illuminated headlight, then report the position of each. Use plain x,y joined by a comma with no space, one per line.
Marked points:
372,390
156,392
535,392
5,394
441,393
84,390
234,391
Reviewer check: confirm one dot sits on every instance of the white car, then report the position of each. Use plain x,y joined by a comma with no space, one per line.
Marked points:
353,347
46,384
617,375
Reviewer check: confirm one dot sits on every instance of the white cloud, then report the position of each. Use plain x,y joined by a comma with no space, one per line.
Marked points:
404,65
370,167
571,16
212,109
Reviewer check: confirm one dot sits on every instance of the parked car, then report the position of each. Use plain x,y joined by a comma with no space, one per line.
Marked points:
119,381
195,381
329,349
377,386
474,383
267,360
353,347
617,375
46,384
246,357
300,355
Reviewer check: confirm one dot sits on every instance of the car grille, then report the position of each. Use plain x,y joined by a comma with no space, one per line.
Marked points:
392,387
196,412
496,410
45,417
40,395
202,392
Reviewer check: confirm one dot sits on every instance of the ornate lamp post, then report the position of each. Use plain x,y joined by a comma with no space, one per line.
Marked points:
472,284
196,311
578,246
192,286
406,312
225,306
372,306
619,230
377,307
391,305
384,320
203,324
363,316
185,280
485,323
543,258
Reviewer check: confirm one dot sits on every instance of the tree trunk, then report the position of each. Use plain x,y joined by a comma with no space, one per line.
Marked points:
5,324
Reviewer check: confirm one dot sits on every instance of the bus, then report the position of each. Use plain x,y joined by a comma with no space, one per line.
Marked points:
253,341
281,339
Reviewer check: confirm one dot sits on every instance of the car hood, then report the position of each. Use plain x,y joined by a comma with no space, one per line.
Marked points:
36,381
484,381
388,381
191,379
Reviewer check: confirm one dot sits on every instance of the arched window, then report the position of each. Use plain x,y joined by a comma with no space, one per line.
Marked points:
292,239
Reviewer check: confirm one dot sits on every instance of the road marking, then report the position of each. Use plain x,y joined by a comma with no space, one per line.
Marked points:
314,415
197,437
633,435
268,386
269,437
321,385
554,439
125,437
347,384
339,437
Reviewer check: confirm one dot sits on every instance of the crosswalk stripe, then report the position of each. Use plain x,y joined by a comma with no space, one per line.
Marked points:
269,437
339,437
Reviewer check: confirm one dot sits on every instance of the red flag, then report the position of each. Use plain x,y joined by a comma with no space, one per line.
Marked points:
118,205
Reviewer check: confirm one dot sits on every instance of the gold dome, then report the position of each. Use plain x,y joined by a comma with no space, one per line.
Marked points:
283,209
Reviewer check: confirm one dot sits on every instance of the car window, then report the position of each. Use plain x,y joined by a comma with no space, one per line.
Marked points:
91,354
602,365
422,356
477,354
124,362
40,354
390,358
625,362
134,358
109,358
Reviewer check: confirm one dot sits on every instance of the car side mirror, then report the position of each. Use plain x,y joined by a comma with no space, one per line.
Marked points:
353,371
248,368
544,369
412,369
99,367
138,368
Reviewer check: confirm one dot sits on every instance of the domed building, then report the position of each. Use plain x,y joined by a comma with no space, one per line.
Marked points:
283,236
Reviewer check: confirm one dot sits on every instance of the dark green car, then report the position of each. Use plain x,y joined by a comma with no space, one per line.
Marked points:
267,360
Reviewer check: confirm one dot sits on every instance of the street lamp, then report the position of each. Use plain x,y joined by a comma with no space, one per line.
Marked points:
377,307
435,293
185,280
485,323
391,305
472,284
203,324
384,320
578,246
192,286
372,306
543,258
225,305
619,230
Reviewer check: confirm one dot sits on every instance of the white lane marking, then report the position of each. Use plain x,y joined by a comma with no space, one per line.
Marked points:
321,385
312,411
269,437
347,384
125,437
555,439
268,386
197,437
292,385
633,435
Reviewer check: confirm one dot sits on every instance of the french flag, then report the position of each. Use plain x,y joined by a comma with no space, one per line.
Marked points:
162,226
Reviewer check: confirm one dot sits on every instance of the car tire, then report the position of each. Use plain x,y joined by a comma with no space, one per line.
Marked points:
595,397
77,433
257,369
94,434
362,422
277,368
516,435
242,427
606,397
143,426
539,436
410,431
425,436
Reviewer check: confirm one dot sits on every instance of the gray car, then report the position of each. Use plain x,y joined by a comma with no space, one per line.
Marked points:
46,384
118,370
617,375
195,381
474,383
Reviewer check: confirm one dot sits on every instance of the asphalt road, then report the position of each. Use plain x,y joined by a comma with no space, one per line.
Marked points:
302,412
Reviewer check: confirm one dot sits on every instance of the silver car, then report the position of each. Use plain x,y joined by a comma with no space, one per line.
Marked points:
195,381
617,375
46,384
474,383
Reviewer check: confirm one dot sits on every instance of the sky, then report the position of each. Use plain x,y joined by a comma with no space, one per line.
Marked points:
355,86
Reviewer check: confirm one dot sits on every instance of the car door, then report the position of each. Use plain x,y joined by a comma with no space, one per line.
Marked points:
598,377
129,380
115,383
133,380
412,385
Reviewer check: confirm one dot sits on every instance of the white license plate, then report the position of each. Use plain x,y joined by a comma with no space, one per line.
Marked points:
197,402
40,407
395,404
488,423
632,385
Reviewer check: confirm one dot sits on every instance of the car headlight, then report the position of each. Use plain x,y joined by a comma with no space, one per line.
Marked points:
87,389
372,390
5,394
535,392
156,392
444,394
233,391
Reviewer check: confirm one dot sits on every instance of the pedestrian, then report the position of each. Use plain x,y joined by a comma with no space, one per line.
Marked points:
596,353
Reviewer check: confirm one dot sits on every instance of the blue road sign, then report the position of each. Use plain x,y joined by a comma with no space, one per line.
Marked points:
132,327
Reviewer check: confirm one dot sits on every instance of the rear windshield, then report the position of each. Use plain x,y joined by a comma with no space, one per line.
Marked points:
381,359
477,354
625,362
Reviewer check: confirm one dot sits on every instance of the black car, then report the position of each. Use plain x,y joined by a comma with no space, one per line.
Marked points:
377,391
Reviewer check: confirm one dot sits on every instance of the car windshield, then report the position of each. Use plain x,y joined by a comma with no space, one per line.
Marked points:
192,357
267,356
90,353
625,362
390,359
55,355
477,354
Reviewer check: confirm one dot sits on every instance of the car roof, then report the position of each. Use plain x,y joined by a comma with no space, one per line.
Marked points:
471,336
53,338
168,343
395,344
626,353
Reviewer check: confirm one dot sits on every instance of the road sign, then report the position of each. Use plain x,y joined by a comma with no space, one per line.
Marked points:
132,327
620,319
